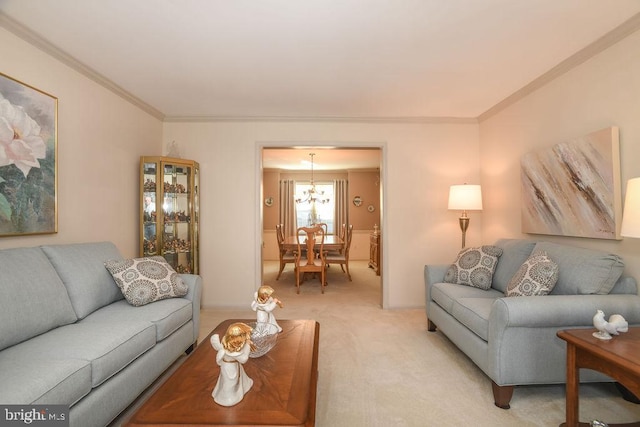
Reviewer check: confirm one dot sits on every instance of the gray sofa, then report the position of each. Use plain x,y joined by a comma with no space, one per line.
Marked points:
68,337
513,339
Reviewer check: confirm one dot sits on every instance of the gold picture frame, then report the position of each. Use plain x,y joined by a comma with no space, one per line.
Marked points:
28,159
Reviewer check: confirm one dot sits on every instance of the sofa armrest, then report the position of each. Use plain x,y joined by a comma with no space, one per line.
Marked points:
194,282
523,346
433,274
562,311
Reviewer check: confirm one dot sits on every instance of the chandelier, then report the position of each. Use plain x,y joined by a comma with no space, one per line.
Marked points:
312,196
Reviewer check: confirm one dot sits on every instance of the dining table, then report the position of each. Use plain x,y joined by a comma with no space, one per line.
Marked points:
331,243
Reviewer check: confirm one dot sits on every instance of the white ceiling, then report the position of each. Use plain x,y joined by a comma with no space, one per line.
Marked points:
319,58
297,59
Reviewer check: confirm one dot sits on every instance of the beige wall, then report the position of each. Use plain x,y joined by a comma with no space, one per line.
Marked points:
420,162
365,184
100,140
270,185
101,137
602,92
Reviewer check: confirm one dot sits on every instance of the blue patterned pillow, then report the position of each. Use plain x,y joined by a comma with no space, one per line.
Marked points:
145,280
537,276
474,267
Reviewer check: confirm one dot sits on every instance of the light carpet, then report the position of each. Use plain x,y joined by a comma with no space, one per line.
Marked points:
383,368
380,368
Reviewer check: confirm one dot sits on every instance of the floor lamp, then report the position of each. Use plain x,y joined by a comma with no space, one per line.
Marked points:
465,198
631,216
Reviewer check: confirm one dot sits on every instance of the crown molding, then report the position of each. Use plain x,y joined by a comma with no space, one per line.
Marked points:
36,40
333,119
622,31
617,34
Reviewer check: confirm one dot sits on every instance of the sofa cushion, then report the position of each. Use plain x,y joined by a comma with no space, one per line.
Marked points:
514,253
474,314
81,267
537,276
108,347
34,299
625,285
43,381
474,266
146,280
582,271
446,294
167,315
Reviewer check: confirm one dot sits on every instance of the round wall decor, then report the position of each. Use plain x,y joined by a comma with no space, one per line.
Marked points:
371,208
268,201
357,201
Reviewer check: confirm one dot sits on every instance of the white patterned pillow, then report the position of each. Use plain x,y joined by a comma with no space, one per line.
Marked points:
536,276
145,280
474,267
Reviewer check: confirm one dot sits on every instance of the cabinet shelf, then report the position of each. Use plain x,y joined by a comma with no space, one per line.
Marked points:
169,211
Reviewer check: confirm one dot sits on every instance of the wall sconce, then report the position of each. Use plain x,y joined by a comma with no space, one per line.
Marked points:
631,216
465,198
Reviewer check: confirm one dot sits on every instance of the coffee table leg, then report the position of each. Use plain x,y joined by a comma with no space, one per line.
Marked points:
573,380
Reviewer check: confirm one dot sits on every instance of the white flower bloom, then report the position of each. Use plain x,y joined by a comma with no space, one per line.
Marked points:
20,140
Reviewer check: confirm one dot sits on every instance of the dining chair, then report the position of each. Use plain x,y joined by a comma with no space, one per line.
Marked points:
342,258
343,232
286,256
310,256
324,226
342,235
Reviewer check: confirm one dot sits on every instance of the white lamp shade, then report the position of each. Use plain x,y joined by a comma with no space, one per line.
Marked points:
465,198
631,216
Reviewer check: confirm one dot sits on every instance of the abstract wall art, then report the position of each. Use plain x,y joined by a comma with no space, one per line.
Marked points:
28,159
574,188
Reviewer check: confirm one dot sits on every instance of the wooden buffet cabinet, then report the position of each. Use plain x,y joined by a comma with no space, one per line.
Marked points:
374,250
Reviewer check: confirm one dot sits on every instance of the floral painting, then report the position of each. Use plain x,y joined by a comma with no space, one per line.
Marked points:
28,152
573,188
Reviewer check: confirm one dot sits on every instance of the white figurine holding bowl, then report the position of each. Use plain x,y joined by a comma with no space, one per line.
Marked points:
264,304
233,351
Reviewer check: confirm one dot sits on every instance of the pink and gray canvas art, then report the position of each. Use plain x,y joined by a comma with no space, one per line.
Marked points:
573,188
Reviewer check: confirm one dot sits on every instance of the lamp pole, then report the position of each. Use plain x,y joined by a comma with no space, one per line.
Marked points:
464,224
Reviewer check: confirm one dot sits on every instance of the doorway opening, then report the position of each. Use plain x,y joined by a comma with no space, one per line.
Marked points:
360,167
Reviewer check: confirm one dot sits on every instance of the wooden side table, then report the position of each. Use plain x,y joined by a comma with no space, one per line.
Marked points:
618,358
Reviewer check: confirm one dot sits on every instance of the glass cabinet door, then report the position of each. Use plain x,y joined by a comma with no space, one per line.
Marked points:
170,208
149,209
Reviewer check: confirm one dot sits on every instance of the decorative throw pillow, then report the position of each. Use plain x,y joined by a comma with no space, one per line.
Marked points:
145,280
474,267
537,276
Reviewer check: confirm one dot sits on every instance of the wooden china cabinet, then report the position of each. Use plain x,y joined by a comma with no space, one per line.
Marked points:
169,211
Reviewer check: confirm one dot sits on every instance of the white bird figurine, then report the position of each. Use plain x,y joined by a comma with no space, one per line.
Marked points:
613,326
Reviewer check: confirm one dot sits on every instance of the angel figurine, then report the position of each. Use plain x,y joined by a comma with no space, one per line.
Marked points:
233,351
264,304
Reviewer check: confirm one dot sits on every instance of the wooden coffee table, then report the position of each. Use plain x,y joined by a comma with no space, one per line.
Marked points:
618,358
283,392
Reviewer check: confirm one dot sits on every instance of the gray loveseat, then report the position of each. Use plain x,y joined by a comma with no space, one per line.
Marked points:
513,339
68,337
